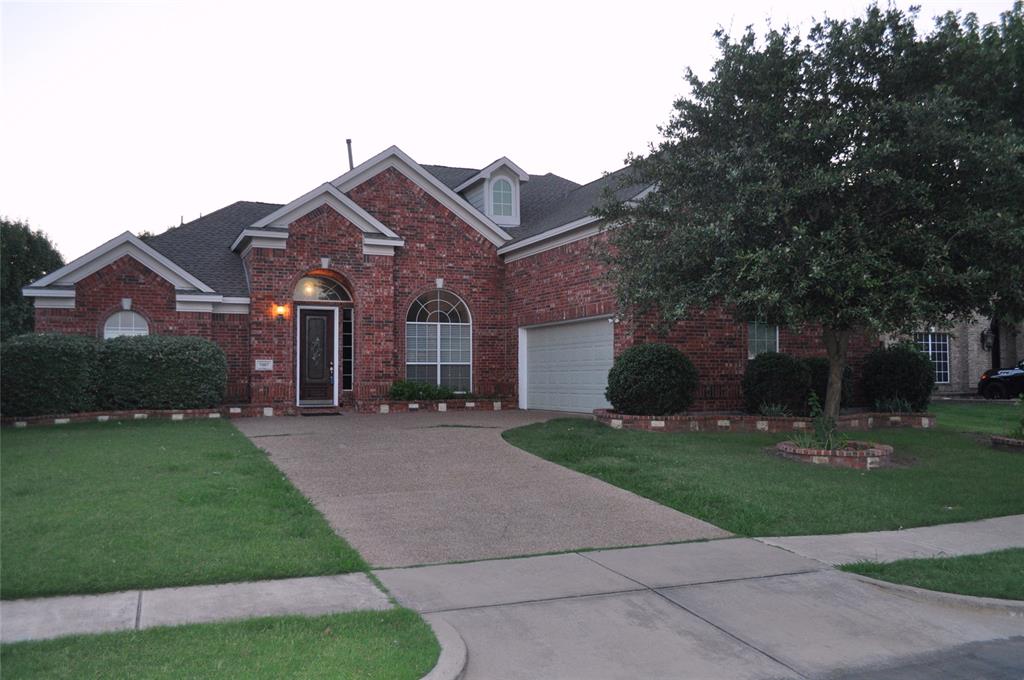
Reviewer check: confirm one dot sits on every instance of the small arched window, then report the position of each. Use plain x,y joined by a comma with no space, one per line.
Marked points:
439,341
125,323
320,289
501,198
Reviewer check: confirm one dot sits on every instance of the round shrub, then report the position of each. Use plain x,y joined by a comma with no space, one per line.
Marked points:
160,372
818,366
899,372
651,380
775,379
48,373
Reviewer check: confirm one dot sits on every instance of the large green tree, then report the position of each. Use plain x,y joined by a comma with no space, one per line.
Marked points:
863,177
27,255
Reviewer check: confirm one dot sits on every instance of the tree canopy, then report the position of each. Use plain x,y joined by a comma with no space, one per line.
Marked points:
27,255
859,177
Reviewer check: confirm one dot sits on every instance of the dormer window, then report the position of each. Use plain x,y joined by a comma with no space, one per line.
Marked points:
501,198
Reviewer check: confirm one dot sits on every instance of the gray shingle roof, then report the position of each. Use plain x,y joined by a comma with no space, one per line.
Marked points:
203,247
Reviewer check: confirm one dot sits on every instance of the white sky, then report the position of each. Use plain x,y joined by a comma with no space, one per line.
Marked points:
129,115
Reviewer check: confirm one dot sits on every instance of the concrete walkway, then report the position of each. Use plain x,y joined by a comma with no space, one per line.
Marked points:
945,540
50,617
420,488
732,608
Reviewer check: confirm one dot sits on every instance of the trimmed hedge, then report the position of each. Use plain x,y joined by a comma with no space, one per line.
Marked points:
407,390
162,371
651,380
52,374
48,373
899,372
818,366
776,379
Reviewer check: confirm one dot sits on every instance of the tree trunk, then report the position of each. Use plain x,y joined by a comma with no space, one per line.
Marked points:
836,341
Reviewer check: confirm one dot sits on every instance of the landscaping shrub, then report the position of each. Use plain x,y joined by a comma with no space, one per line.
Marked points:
407,390
48,373
651,380
777,379
899,372
160,372
818,366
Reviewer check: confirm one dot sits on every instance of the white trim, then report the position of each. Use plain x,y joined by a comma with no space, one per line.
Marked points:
369,240
325,193
336,364
485,173
524,363
216,304
46,302
369,249
556,238
111,251
393,157
48,292
269,239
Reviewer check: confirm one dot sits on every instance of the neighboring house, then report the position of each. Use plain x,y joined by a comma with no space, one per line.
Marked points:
484,280
963,352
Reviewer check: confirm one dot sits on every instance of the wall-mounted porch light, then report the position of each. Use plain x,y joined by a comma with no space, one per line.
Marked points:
280,311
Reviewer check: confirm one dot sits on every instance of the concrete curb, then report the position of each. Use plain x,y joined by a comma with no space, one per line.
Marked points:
451,663
1014,608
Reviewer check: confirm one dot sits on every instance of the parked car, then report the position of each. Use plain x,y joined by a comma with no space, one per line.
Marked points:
1000,383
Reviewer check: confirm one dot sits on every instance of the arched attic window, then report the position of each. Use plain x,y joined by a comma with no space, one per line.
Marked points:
501,198
439,341
125,323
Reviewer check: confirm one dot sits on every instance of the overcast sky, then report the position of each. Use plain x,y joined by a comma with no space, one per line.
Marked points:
131,115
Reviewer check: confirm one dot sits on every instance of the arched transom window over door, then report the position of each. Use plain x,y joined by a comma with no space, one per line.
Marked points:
439,341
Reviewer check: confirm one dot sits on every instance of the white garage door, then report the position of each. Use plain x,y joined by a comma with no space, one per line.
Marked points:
567,365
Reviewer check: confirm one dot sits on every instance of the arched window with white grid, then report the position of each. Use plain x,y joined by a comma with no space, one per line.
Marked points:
125,323
439,341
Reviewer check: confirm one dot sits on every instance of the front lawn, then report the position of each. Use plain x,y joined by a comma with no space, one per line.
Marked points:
391,645
125,505
992,417
728,480
994,574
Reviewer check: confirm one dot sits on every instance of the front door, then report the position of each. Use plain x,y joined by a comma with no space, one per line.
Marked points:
316,356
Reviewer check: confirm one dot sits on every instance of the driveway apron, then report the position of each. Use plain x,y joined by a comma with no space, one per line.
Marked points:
420,488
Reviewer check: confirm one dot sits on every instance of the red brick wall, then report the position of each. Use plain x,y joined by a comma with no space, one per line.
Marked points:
99,295
437,245
566,283
440,245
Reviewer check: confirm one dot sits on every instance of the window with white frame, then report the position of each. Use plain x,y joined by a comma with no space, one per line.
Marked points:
501,198
761,337
125,323
439,341
936,346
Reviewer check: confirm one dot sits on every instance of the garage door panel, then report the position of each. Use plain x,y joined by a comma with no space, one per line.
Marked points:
567,365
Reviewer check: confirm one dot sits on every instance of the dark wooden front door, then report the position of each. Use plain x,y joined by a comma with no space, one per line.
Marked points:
316,355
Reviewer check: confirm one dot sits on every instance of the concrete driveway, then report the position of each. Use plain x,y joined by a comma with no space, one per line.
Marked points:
421,488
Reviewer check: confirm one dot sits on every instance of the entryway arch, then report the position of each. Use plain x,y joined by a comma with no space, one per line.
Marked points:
324,339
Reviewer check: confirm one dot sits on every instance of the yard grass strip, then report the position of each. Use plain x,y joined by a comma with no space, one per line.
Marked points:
993,417
392,645
136,505
995,574
727,478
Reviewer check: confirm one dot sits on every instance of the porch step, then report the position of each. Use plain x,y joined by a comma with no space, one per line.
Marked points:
321,410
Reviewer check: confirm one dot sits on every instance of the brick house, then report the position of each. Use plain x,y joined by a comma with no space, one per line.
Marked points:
484,280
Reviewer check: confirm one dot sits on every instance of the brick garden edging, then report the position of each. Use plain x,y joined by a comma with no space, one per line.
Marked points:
243,411
442,406
712,422
856,455
1008,442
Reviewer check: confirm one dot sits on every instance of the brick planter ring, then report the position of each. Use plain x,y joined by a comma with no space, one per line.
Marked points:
856,455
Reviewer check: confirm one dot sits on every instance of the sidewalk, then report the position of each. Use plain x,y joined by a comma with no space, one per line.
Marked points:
50,617
731,608
944,540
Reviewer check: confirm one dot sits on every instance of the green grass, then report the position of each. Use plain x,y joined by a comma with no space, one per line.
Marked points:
391,645
116,506
982,417
728,479
994,574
